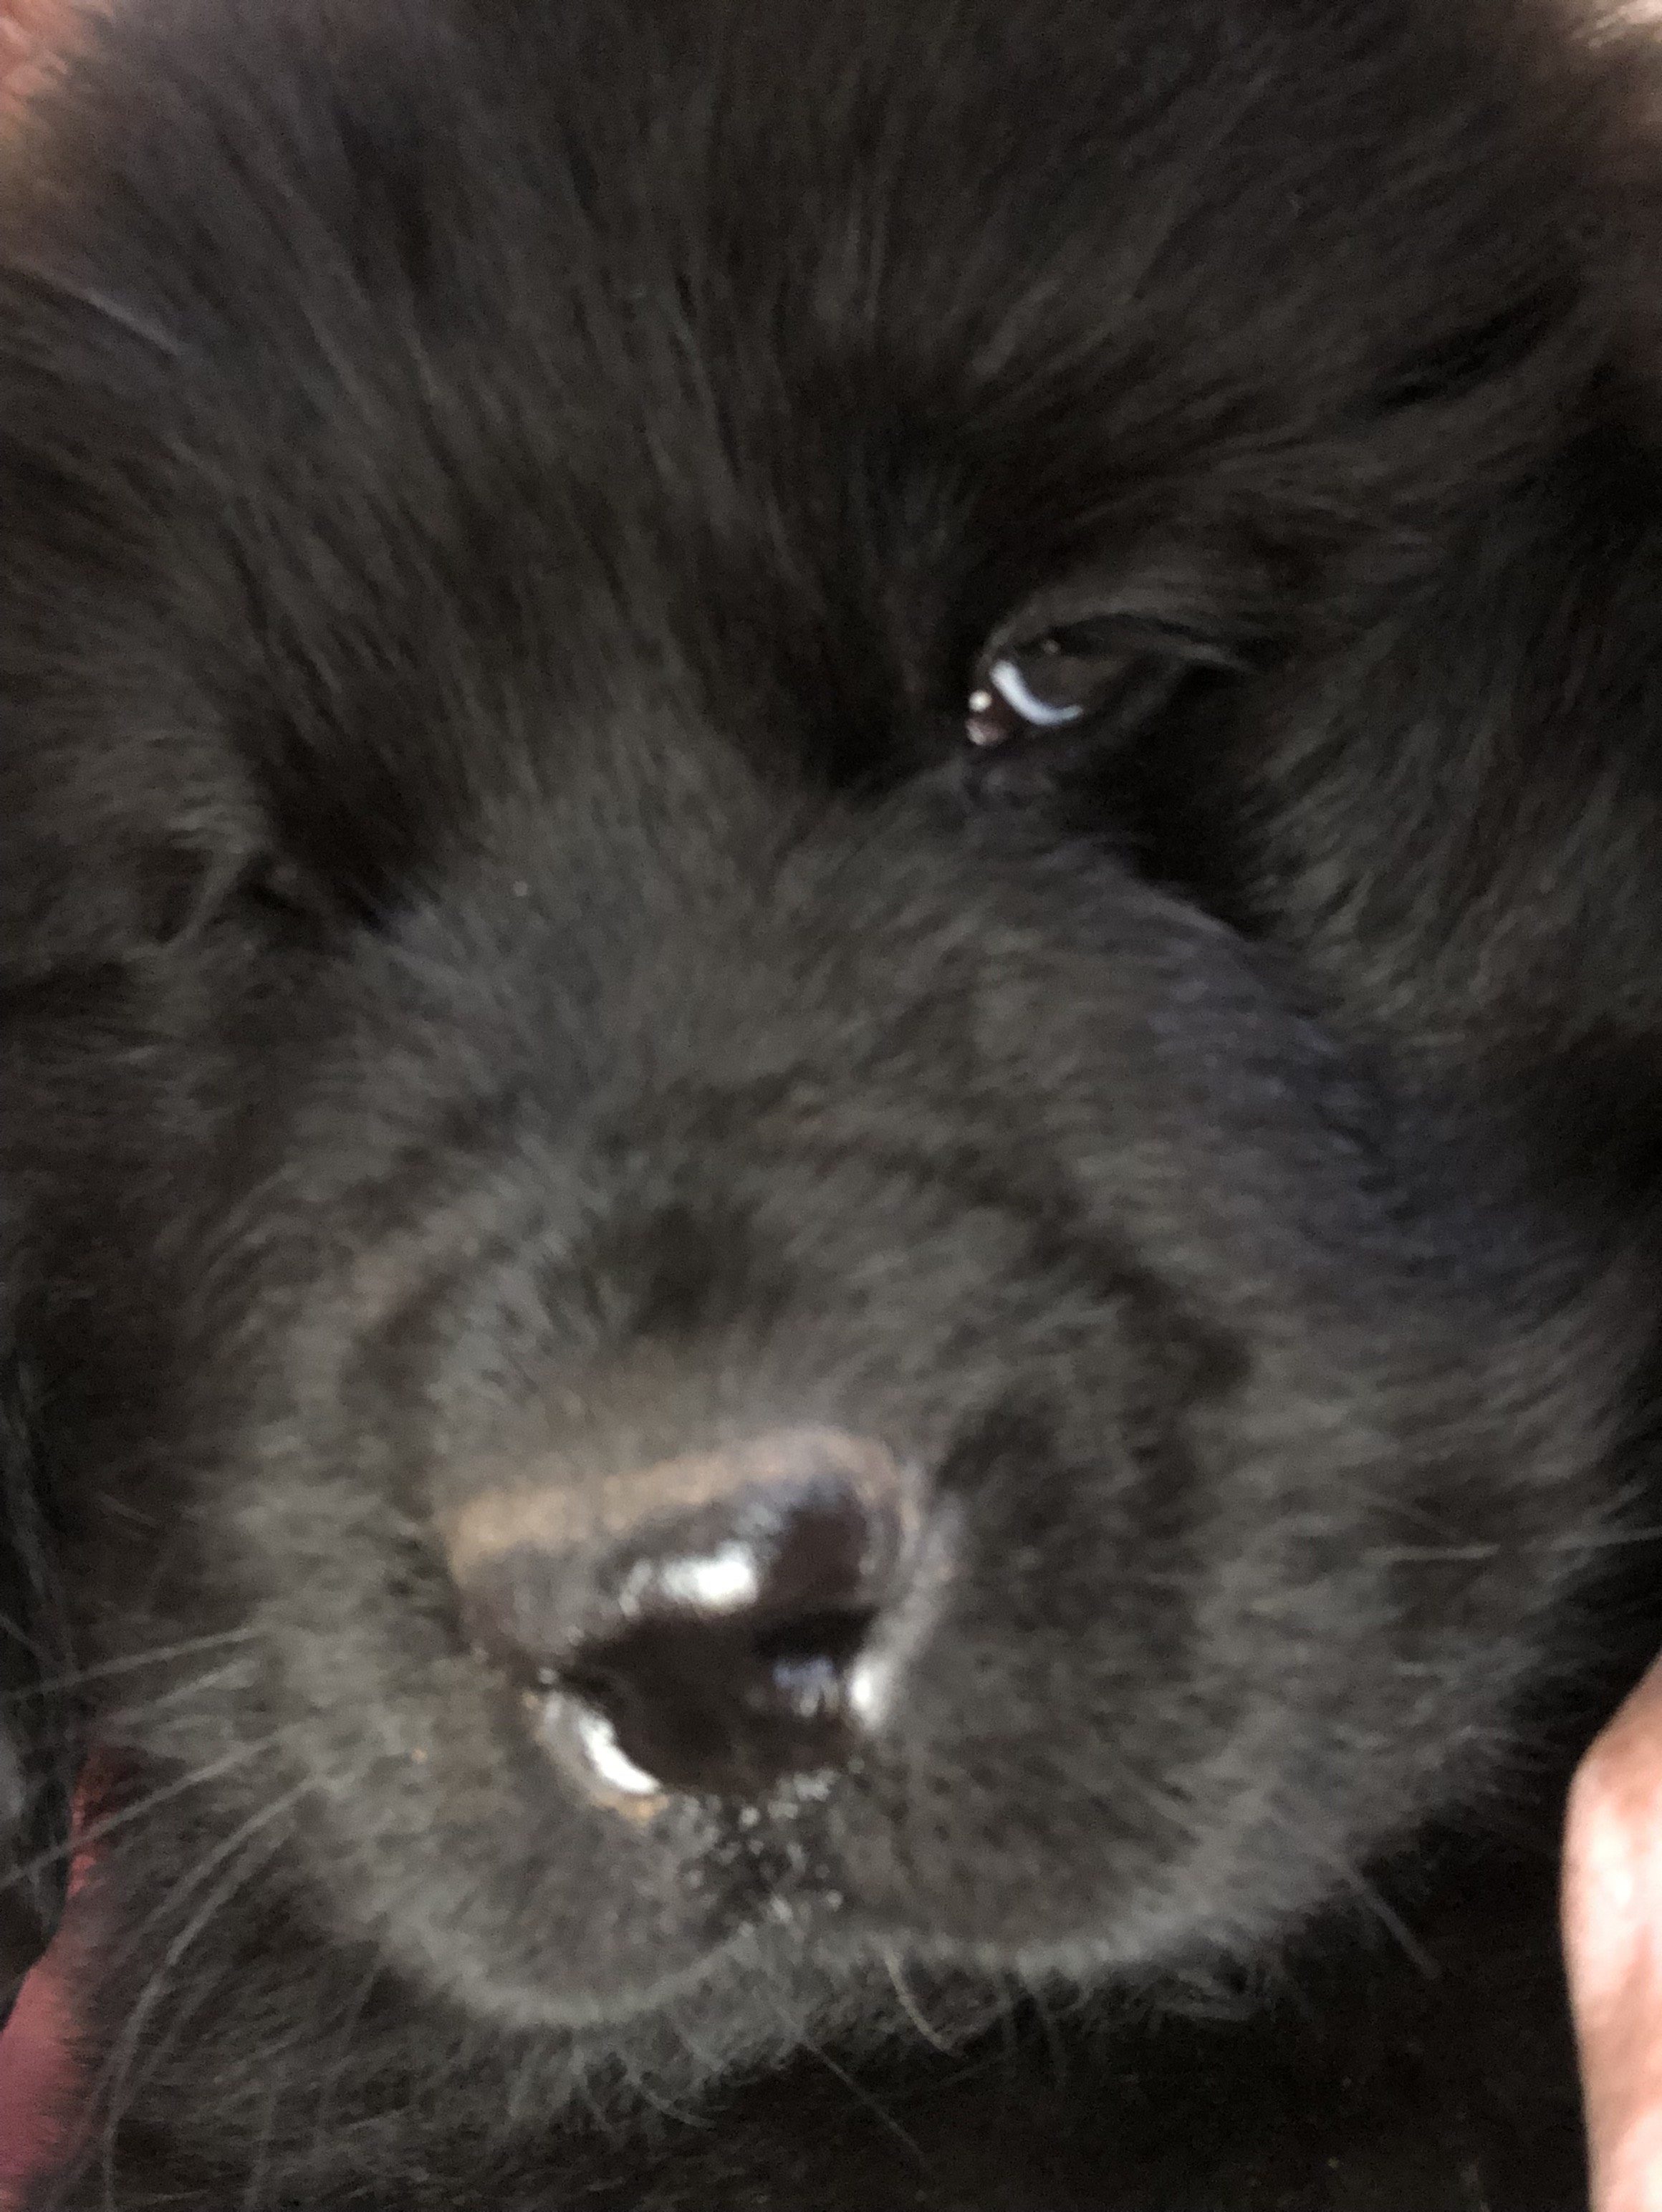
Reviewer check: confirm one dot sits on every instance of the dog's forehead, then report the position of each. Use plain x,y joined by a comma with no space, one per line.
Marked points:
798,387
771,353
1041,244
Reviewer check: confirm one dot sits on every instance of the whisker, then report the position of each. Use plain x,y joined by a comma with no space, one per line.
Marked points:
1369,1895
908,2003
1603,1539
856,2089
343,2038
112,2083
13,1630
53,1684
1032,1989
643,2088
242,1755
1395,1555
108,309
109,1723
880,2112
260,2163
1597,1540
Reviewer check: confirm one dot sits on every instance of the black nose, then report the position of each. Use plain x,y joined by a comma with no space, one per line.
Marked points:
712,1624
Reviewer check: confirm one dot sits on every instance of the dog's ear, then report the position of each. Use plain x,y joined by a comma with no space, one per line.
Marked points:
37,1762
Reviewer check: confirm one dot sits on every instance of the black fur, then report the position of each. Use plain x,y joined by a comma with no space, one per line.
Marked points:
507,951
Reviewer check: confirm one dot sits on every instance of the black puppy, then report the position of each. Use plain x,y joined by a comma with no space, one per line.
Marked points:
832,976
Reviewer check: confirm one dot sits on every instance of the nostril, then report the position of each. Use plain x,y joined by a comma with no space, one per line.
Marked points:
811,1658
712,1642
721,1704
592,1680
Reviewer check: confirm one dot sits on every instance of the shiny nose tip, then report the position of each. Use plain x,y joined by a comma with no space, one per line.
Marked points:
710,1625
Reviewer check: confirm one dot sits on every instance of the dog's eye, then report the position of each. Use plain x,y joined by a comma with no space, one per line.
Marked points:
1041,685
281,891
1121,669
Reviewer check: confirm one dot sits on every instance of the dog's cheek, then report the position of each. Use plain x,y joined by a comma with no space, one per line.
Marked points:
1182,1687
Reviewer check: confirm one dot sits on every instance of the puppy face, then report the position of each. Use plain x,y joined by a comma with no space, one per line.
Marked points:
757,927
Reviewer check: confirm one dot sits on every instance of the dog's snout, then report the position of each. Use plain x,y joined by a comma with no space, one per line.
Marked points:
714,1623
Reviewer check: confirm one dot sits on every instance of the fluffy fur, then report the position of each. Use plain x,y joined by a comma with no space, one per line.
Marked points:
508,957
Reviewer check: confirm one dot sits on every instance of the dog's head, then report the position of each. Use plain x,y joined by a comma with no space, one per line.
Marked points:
655,670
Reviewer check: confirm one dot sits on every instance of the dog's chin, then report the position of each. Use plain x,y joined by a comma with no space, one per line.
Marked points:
598,2016
775,1985
761,1953
791,1958
768,1968
728,2001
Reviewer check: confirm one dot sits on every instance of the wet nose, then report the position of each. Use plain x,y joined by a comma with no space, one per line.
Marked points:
714,1623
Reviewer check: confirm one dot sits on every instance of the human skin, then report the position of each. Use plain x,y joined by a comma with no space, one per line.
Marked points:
1613,1944
30,32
